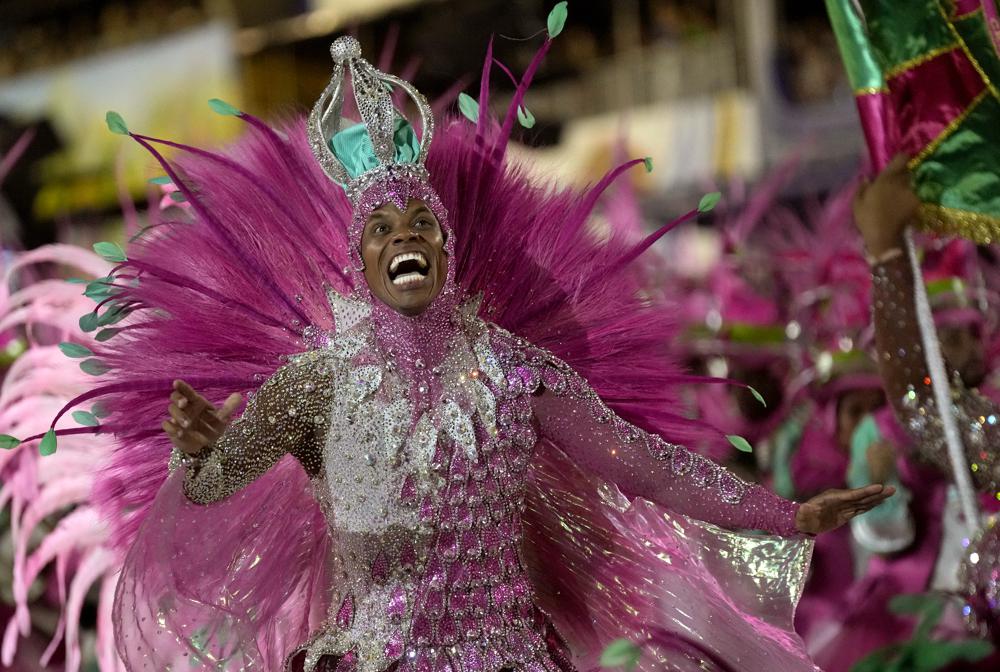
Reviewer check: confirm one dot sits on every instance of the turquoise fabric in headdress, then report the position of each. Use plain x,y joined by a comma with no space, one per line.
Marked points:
353,147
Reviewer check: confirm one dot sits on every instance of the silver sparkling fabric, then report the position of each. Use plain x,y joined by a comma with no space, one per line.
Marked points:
901,360
979,580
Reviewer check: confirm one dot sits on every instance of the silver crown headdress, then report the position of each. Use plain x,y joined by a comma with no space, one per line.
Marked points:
373,95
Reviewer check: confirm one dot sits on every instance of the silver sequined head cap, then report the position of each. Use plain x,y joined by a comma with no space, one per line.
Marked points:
373,95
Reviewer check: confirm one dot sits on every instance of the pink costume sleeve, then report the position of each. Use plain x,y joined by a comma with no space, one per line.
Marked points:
644,465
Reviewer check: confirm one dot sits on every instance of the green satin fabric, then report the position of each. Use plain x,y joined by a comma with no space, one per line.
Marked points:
974,33
961,173
863,69
353,147
904,31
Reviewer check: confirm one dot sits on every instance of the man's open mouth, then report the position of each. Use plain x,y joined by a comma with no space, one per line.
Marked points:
408,268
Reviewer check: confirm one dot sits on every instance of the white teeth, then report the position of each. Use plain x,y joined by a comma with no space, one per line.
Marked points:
407,256
407,279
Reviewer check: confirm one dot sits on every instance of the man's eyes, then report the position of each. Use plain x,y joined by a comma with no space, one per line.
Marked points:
382,229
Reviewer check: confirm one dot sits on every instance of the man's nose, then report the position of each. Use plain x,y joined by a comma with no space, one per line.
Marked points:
404,236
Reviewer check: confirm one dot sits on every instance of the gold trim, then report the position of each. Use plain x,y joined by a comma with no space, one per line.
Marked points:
955,16
972,59
871,91
921,59
976,226
946,132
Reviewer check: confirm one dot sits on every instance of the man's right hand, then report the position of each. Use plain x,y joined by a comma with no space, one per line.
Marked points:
194,422
884,208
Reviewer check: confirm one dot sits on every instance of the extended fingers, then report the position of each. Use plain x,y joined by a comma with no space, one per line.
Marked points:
191,397
853,502
193,417
179,399
873,499
858,494
228,407
871,503
180,416
188,441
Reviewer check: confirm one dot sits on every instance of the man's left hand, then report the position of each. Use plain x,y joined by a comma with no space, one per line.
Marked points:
833,508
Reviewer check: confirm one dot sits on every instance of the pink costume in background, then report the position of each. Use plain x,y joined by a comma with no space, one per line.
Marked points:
50,498
480,487
731,302
824,272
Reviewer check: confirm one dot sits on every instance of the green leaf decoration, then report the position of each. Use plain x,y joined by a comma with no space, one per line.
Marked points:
105,334
89,322
115,123
929,618
112,315
86,418
709,201
48,445
468,106
162,179
877,661
77,281
8,442
110,252
178,197
102,288
557,19
94,367
75,350
757,395
100,410
929,656
220,106
621,653
100,292
913,603
648,162
920,653
525,117
740,443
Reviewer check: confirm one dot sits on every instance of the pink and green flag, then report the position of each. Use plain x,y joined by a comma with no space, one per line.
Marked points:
925,75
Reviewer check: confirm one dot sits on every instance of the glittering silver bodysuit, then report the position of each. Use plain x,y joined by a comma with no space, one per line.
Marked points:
902,363
423,484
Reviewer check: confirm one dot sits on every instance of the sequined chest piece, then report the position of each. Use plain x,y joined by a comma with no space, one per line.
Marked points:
424,499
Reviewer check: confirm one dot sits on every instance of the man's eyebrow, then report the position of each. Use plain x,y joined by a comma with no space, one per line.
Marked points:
422,209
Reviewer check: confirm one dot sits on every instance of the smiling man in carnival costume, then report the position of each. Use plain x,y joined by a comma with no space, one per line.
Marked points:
422,488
